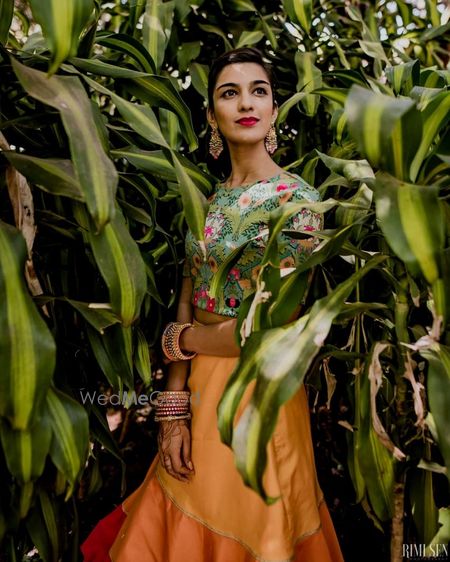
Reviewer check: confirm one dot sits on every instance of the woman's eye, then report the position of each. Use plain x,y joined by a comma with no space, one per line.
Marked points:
261,90
227,92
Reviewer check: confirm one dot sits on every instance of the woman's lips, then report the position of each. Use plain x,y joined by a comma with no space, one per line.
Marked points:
248,122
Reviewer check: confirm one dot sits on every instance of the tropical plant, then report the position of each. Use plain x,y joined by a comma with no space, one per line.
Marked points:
102,131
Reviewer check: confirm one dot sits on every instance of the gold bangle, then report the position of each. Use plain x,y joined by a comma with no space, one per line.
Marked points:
170,341
170,418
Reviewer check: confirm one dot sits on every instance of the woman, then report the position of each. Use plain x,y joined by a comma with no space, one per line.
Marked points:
193,504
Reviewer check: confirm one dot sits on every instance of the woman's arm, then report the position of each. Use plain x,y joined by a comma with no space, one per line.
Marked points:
213,339
178,370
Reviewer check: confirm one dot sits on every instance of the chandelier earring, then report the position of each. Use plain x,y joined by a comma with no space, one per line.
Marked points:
270,141
215,143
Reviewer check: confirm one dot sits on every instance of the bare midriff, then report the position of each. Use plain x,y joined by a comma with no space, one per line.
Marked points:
206,317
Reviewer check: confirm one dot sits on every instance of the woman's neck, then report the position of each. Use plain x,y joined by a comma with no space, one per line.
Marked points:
250,164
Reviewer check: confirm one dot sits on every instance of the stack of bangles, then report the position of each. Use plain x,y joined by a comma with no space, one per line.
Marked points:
170,341
173,405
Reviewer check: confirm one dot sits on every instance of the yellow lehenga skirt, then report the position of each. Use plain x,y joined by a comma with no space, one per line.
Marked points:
214,517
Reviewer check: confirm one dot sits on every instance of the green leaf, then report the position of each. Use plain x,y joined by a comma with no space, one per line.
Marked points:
411,218
423,507
404,76
6,15
375,461
339,95
386,129
157,27
113,352
122,267
300,11
95,66
70,439
438,389
42,526
249,38
309,78
98,315
278,359
26,450
194,202
54,175
140,117
157,90
155,162
199,75
435,116
131,47
242,6
142,358
95,171
62,22
27,348
217,31
288,105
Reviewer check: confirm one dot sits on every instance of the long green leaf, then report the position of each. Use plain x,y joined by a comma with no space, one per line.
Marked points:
155,162
278,359
435,116
140,117
309,78
26,450
411,218
6,15
122,267
386,129
438,387
113,352
95,171
131,47
27,348
53,175
62,22
70,435
194,202
300,11
375,461
158,90
157,27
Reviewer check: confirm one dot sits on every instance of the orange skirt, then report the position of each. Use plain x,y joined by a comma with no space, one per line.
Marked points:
214,517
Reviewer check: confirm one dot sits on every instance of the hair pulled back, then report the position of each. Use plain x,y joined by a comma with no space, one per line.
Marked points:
242,54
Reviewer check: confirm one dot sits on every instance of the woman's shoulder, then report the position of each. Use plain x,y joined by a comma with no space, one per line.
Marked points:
296,185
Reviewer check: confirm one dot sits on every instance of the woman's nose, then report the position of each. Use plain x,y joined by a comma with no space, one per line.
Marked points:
245,101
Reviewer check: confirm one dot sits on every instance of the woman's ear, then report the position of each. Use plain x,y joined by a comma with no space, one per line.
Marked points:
210,117
275,111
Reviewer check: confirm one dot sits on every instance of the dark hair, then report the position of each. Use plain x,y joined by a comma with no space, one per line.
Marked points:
243,54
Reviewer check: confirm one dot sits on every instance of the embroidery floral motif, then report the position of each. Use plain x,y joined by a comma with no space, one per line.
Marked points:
234,217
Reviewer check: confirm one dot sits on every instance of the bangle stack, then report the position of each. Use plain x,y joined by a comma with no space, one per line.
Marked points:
173,405
170,341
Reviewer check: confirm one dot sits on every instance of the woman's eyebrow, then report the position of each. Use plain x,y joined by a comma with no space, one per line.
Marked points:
234,85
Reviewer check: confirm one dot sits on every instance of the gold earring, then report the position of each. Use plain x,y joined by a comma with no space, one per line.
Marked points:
215,143
270,141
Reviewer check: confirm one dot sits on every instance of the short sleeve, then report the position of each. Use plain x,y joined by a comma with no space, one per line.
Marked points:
305,221
186,268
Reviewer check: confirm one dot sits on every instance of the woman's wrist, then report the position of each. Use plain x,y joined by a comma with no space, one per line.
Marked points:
187,340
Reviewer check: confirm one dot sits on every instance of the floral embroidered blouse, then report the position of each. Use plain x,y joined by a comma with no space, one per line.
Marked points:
235,215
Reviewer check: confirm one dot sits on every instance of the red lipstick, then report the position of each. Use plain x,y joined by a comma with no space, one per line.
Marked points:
248,121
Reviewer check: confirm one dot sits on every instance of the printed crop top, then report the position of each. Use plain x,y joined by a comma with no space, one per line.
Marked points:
235,215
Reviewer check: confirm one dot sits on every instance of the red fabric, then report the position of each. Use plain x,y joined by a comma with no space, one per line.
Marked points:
171,534
96,547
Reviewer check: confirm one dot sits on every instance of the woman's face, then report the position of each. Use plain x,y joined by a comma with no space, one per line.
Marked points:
243,103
